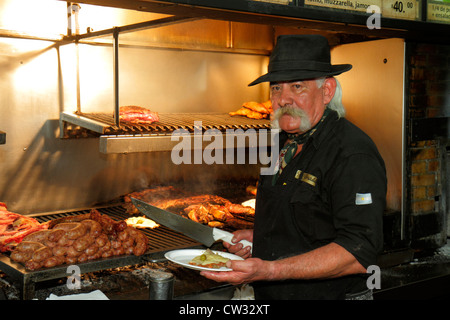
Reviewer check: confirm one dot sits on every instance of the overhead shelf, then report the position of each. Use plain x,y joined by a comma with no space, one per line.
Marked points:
157,136
104,124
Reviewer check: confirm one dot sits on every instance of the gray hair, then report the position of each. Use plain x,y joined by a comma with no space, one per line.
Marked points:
335,103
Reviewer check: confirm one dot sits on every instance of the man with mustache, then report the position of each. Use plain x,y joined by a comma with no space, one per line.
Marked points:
318,222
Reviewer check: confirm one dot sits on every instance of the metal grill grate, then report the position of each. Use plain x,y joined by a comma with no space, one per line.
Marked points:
161,240
167,124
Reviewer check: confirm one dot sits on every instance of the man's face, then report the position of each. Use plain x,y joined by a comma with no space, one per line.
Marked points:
299,105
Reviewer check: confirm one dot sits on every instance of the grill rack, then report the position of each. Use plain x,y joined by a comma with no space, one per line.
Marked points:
103,123
161,240
157,136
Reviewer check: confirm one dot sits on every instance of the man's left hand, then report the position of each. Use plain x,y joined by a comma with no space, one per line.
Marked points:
244,271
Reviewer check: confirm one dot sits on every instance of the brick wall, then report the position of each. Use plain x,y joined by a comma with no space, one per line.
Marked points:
428,82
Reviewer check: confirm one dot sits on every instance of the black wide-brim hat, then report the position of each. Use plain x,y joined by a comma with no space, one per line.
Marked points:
300,57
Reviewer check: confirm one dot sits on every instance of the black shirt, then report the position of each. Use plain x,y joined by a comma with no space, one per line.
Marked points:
334,190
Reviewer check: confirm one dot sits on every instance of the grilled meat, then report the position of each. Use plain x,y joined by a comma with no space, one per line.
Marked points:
92,237
152,196
14,227
248,113
258,107
135,114
181,203
254,110
212,210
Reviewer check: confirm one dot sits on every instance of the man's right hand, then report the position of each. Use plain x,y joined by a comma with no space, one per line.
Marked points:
236,247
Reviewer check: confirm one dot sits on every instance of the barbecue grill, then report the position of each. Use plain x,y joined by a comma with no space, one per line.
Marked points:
126,137
161,240
104,122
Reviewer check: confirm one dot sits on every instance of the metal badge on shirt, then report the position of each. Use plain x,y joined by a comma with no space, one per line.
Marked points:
306,177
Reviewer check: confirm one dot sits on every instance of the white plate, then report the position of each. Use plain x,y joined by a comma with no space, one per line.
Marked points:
183,256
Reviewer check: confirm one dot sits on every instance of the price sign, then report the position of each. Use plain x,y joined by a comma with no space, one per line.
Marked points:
438,11
349,5
286,2
398,9
401,9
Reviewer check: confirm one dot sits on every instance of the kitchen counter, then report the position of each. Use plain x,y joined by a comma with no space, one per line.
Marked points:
427,277
424,278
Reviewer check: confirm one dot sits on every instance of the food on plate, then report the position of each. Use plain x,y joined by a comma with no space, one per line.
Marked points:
141,222
69,242
254,110
136,114
14,227
209,259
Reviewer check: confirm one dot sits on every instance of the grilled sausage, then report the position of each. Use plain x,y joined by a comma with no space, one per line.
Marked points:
91,250
41,254
74,230
102,241
118,251
128,243
21,256
71,260
59,251
93,227
140,241
72,253
28,245
38,236
107,253
82,258
77,218
55,235
83,243
64,241
95,256
33,265
53,261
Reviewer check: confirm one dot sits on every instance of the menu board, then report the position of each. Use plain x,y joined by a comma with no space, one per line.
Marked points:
438,11
275,1
398,9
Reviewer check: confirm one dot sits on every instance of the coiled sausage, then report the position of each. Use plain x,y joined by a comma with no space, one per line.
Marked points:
38,236
29,245
21,256
53,261
74,230
59,251
93,227
41,254
83,243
